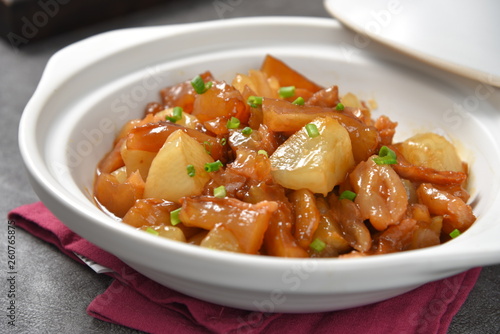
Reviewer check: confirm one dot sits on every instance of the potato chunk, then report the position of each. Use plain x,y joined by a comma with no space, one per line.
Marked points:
221,238
137,160
187,120
283,116
258,82
166,231
433,151
318,163
168,178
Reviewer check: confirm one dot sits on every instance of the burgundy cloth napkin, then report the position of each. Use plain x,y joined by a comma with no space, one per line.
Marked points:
137,302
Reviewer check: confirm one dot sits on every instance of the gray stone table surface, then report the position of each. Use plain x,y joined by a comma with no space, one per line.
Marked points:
53,291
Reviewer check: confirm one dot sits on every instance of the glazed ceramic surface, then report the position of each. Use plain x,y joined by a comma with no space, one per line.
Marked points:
458,36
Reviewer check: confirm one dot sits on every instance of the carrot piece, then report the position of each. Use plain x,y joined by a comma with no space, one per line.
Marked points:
118,197
182,95
248,222
307,216
456,213
149,212
279,240
151,137
113,160
287,76
221,100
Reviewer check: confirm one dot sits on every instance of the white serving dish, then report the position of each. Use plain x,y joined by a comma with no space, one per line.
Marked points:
89,89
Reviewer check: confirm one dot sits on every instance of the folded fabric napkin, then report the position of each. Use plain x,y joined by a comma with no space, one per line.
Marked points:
137,302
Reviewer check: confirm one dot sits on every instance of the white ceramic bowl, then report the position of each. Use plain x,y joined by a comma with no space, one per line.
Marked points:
91,88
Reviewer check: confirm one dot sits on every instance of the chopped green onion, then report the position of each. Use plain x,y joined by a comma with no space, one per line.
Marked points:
223,141
285,92
347,194
339,107
174,216
220,192
455,233
254,101
318,245
247,131
190,170
233,123
263,152
213,166
299,101
152,231
177,112
176,115
386,156
312,130
385,151
199,85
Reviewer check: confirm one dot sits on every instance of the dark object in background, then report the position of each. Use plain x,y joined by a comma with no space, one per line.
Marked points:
26,21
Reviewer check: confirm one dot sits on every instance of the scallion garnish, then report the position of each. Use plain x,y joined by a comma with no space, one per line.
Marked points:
223,141
176,115
233,123
254,101
386,156
174,216
177,112
263,152
152,231
455,233
339,107
318,245
347,194
247,131
190,170
213,166
199,85
285,92
312,130
220,192
299,101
